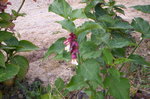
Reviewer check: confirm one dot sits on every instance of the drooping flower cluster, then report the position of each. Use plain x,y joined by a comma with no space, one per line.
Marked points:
72,46
3,5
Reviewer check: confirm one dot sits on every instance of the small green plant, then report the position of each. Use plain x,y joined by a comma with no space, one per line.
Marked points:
12,65
32,91
98,47
37,91
57,91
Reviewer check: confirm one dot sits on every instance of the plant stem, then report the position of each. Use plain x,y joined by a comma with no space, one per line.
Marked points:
132,52
136,47
21,6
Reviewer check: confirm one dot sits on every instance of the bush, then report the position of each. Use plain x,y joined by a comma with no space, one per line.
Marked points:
101,56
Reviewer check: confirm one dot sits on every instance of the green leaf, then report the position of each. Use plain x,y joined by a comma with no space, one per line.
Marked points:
143,8
121,25
26,46
107,56
88,13
99,11
77,13
142,26
90,70
9,72
101,61
137,59
5,16
88,26
61,7
59,84
13,41
63,56
119,52
68,25
119,43
99,36
118,8
6,24
5,47
23,63
76,83
118,88
82,37
90,6
114,73
5,35
113,23
107,19
2,59
57,47
121,60
89,50
120,11
16,14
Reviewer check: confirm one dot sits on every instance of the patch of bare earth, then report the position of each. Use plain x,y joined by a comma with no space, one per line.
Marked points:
39,27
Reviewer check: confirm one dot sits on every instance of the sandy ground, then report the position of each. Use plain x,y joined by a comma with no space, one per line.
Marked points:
39,27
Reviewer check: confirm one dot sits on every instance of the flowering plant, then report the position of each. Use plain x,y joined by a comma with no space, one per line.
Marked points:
3,5
99,47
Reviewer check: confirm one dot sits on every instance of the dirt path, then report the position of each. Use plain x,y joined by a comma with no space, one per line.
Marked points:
39,27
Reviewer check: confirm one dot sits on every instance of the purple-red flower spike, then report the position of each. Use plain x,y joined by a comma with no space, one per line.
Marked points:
72,46
3,5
